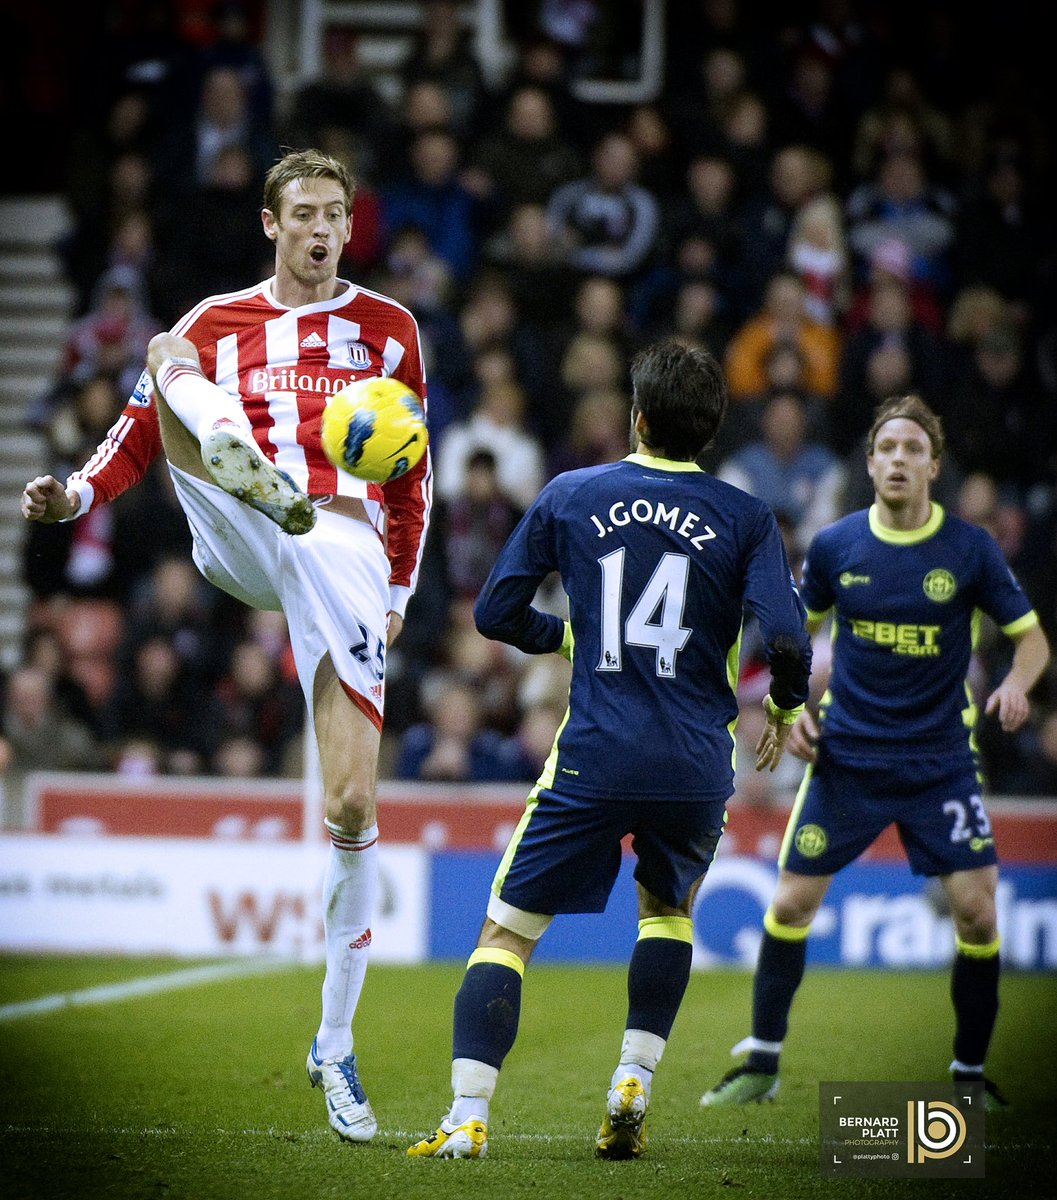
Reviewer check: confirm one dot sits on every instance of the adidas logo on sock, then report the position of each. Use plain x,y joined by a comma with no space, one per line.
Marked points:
313,342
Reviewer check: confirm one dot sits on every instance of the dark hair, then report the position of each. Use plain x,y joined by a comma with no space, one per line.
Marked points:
682,394
911,408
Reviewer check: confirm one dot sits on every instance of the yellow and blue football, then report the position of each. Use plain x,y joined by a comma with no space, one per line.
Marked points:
375,429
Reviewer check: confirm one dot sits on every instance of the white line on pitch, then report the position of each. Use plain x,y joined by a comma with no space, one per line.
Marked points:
148,985
324,1134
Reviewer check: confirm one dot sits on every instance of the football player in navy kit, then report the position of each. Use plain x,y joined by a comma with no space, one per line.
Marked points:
659,561
894,739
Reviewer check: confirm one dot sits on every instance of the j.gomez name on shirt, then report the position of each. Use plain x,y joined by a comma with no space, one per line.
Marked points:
645,512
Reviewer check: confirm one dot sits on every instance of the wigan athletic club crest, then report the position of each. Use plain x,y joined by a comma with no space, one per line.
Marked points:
939,585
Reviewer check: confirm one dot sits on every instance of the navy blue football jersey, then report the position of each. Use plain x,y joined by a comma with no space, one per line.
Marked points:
906,615
659,560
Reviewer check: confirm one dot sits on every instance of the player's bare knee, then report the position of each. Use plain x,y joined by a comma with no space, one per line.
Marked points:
795,903
975,921
500,937
168,345
794,910
352,808
971,895
789,912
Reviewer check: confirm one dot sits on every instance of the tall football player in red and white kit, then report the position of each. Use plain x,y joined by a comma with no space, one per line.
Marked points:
234,396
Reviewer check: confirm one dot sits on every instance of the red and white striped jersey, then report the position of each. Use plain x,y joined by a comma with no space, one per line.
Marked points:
282,364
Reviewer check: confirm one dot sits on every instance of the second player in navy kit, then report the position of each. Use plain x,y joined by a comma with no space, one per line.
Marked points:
659,561
898,718
894,743
652,554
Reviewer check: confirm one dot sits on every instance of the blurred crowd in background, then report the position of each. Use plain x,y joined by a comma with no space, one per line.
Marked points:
842,202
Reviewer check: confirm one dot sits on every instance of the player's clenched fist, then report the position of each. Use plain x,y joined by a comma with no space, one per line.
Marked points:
47,501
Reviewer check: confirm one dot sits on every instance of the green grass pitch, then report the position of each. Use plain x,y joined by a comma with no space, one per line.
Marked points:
201,1093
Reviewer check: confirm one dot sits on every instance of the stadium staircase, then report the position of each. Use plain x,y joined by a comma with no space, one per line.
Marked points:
35,307
386,29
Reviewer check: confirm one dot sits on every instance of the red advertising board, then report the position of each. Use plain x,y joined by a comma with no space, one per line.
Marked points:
479,816
436,816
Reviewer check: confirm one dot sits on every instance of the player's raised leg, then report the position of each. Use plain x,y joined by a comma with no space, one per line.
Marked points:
348,751
779,970
225,443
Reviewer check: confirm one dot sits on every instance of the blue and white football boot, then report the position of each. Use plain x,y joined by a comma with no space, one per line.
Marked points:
348,1109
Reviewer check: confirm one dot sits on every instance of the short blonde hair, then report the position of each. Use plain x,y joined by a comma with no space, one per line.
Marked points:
306,164
912,408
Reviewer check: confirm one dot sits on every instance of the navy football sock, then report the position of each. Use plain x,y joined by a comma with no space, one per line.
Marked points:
658,973
974,992
779,971
487,1007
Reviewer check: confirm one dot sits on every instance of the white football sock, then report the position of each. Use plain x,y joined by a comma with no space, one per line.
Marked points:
350,888
474,1086
640,1052
198,403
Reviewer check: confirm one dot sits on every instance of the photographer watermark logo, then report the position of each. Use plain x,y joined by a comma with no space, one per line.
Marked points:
907,1130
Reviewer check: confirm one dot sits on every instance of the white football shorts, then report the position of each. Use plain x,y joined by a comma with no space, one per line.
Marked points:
331,583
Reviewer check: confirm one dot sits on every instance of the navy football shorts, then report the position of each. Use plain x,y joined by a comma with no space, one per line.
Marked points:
565,854
933,800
